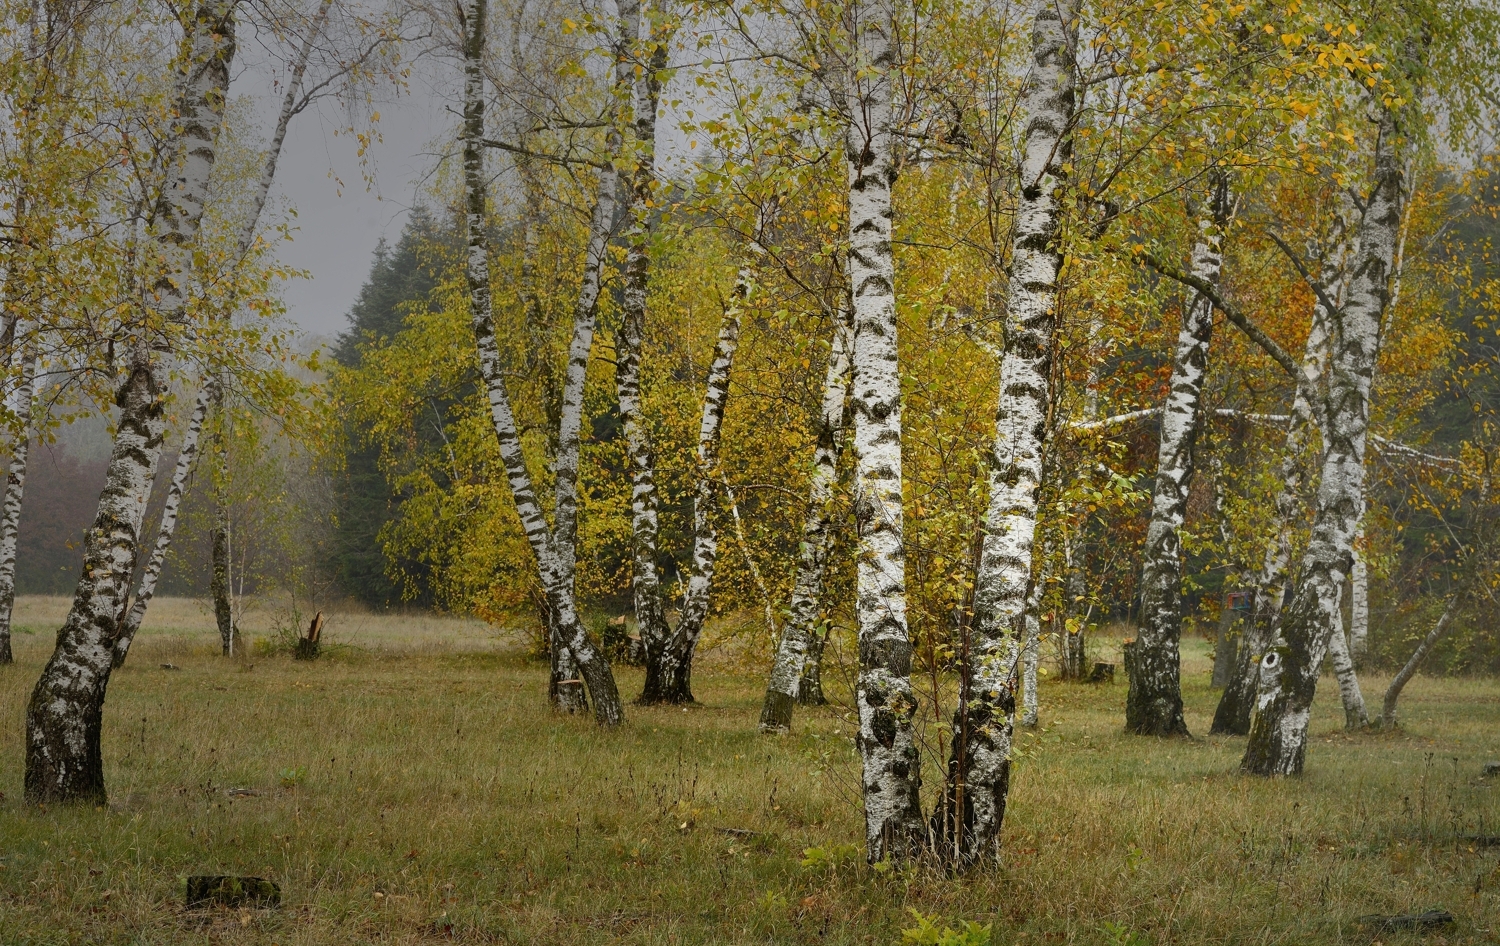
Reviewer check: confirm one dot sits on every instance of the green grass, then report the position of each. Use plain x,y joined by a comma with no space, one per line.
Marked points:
432,796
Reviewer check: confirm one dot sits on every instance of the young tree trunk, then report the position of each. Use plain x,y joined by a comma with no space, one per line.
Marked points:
63,719
1074,641
1359,600
15,487
979,767
1403,677
886,740
1154,705
1030,654
800,637
221,583
593,666
209,391
1355,716
1278,733
1232,716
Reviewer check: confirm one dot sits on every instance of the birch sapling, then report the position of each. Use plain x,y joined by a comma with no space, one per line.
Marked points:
1154,704
65,715
886,740
1408,670
15,488
210,394
979,765
1278,732
801,634
593,666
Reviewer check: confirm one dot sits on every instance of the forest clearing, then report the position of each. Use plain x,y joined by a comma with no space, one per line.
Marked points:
412,789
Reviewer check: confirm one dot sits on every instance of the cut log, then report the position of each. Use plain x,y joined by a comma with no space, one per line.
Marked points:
1420,922
220,890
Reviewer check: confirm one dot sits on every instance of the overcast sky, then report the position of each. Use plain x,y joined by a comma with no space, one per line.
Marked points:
338,224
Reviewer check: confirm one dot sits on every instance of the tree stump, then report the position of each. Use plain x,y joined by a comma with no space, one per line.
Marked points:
1103,673
308,647
220,890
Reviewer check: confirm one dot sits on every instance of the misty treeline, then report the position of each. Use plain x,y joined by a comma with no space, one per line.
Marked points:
924,339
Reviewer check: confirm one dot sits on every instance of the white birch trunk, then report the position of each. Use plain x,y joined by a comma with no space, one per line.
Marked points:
1355,715
208,392
801,631
1278,733
1154,705
979,769
1237,703
1359,600
592,664
1030,655
65,715
15,488
886,741
146,588
1408,670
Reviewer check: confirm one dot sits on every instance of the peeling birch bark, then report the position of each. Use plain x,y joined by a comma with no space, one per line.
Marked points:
1154,705
1408,670
209,392
15,488
1278,732
801,634
593,666
65,715
979,767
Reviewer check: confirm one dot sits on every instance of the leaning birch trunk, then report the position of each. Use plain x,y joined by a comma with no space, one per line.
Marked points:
979,767
65,715
672,679
146,589
1359,600
1154,705
886,739
801,634
1236,704
592,664
208,392
15,488
1403,677
566,688
1278,733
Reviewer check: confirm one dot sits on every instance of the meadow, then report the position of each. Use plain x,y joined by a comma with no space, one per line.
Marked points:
412,787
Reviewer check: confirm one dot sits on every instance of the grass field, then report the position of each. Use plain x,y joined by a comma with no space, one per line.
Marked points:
413,788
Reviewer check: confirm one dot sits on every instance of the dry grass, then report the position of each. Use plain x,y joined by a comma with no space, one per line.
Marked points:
435,797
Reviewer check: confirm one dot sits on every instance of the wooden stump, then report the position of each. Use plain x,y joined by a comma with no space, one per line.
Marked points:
220,890
1103,673
308,647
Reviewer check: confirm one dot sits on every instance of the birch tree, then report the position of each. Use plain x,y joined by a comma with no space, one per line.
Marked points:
65,714
1154,705
979,766
592,664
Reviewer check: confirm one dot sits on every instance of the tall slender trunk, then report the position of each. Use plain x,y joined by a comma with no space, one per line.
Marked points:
1355,715
221,584
1154,705
979,767
1278,733
1408,670
15,487
1236,704
593,666
801,634
886,739
65,715
1359,600
1030,656
209,393
1074,640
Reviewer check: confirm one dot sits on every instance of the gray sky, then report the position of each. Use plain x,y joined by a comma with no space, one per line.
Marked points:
339,220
